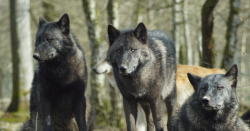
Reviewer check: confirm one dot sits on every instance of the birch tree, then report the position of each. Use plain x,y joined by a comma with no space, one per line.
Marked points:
115,96
207,33
97,82
187,34
231,35
176,26
21,49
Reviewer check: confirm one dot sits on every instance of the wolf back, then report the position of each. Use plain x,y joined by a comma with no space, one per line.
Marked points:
214,105
57,100
144,67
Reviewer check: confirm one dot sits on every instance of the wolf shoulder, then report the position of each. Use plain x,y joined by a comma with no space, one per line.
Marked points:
159,36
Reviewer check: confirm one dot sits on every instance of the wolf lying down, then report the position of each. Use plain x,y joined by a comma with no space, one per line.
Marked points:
214,105
57,101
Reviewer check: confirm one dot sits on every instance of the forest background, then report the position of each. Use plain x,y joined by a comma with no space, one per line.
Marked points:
208,33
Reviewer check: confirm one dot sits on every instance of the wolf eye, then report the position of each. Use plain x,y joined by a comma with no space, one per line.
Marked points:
204,88
133,50
220,87
118,51
49,40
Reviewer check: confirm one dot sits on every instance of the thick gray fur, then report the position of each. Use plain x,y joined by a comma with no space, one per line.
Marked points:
214,105
144,66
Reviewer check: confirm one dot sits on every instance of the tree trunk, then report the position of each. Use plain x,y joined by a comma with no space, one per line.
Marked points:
115,96
49,12
21,49
113,12
207,33
187,34
96,81
231,34
15,59
176,27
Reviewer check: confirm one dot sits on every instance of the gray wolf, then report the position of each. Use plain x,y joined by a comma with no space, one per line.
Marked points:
183,86
144,66
57,100
103,67
214,105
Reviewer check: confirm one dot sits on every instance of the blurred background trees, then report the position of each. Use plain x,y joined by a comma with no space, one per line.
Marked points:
209,33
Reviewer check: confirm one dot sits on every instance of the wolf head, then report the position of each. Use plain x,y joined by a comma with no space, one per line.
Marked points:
50,38
217,91
102,65
127,48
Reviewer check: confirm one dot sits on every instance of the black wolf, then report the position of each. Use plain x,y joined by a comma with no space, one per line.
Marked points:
144,66
246,117
214,105
57,101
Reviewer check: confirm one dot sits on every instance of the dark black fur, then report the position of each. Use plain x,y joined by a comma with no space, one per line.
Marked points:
144,67
57,101
214,105
246,117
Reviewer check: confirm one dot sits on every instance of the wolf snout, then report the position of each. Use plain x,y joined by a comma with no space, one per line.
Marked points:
51,56
95,70
36,56
205,100
123,69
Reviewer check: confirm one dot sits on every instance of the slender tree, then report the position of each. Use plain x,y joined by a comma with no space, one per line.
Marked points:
207,33
97,82
49,12
187,34
21,49
176,27
115,97
233,23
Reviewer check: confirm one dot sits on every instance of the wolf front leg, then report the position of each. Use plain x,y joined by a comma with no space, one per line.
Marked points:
170,102
46,113
79,108
130,109
150,122
157,112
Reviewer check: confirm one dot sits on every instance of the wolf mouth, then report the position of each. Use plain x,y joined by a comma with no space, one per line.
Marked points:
212,107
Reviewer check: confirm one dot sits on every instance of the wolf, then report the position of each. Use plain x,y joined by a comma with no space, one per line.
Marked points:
103,67
183,86
246,115
144,67
57,100
214,105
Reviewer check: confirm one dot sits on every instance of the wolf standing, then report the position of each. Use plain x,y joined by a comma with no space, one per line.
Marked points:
214,105
144,67
57,101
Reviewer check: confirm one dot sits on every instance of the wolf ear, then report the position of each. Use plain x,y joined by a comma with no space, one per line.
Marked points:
194,80
113,34
140,33
63,24
42,21
232,74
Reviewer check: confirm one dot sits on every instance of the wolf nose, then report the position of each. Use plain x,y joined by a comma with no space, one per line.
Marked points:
123,68
36,56
94,69
205,101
